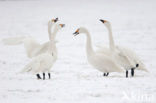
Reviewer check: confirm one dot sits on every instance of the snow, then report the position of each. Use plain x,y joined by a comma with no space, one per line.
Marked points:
73,79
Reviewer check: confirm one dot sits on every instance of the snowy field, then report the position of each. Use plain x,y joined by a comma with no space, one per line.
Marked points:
73,79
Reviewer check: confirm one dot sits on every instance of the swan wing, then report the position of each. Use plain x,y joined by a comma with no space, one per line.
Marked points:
42,49
133,56
105,63
36,64
104,50
111,64
117,55
13,40
30,66
122,55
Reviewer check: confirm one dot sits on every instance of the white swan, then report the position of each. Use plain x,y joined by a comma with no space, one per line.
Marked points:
33,48
43,62
125,57
99,61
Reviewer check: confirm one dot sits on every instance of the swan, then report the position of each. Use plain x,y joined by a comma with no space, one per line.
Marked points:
99,61
125,57
44,61
33,48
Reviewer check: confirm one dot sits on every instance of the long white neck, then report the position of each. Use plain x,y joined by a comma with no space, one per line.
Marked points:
89,47
50,25
52,37
111,40
52,45
52,48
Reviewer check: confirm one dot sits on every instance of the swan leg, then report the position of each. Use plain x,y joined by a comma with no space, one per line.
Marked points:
38,76
107,74
132,72
104,74
126,73
49,75
43,76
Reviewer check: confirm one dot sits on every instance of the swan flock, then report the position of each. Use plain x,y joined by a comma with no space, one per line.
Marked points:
43,56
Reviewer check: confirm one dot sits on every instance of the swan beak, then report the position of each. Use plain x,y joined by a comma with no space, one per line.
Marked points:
62,25
76,32
54,20
103,21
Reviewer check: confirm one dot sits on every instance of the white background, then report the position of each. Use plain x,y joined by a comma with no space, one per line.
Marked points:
73,79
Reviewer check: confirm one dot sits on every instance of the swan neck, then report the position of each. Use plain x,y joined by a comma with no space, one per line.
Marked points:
89,47
111,40
54,34
52,49
49,29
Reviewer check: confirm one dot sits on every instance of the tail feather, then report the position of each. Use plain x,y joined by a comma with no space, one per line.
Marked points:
13,40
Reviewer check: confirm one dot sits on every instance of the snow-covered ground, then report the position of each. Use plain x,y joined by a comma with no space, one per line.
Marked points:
73,79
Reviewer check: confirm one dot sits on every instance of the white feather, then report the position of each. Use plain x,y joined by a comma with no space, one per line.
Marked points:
100,61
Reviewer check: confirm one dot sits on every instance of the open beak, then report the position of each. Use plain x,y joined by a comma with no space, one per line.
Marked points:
103,21
62,25
76,32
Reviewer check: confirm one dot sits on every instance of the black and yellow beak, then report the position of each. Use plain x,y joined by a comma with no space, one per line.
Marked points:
62,25
76,32
103,21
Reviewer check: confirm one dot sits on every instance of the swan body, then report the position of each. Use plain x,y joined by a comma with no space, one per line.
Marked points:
118,56
33,48
40,63
124,56
44,61
100,61
133,57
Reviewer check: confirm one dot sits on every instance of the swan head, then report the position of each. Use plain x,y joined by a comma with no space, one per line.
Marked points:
79,31
54,20
107,23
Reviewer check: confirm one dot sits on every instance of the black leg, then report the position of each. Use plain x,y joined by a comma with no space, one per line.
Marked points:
49,75
107,74
132,72
137,65
43,76
126,73
104,74
38,76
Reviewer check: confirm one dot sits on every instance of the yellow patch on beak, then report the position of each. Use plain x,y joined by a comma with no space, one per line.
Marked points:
105,21
77,31
62,25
